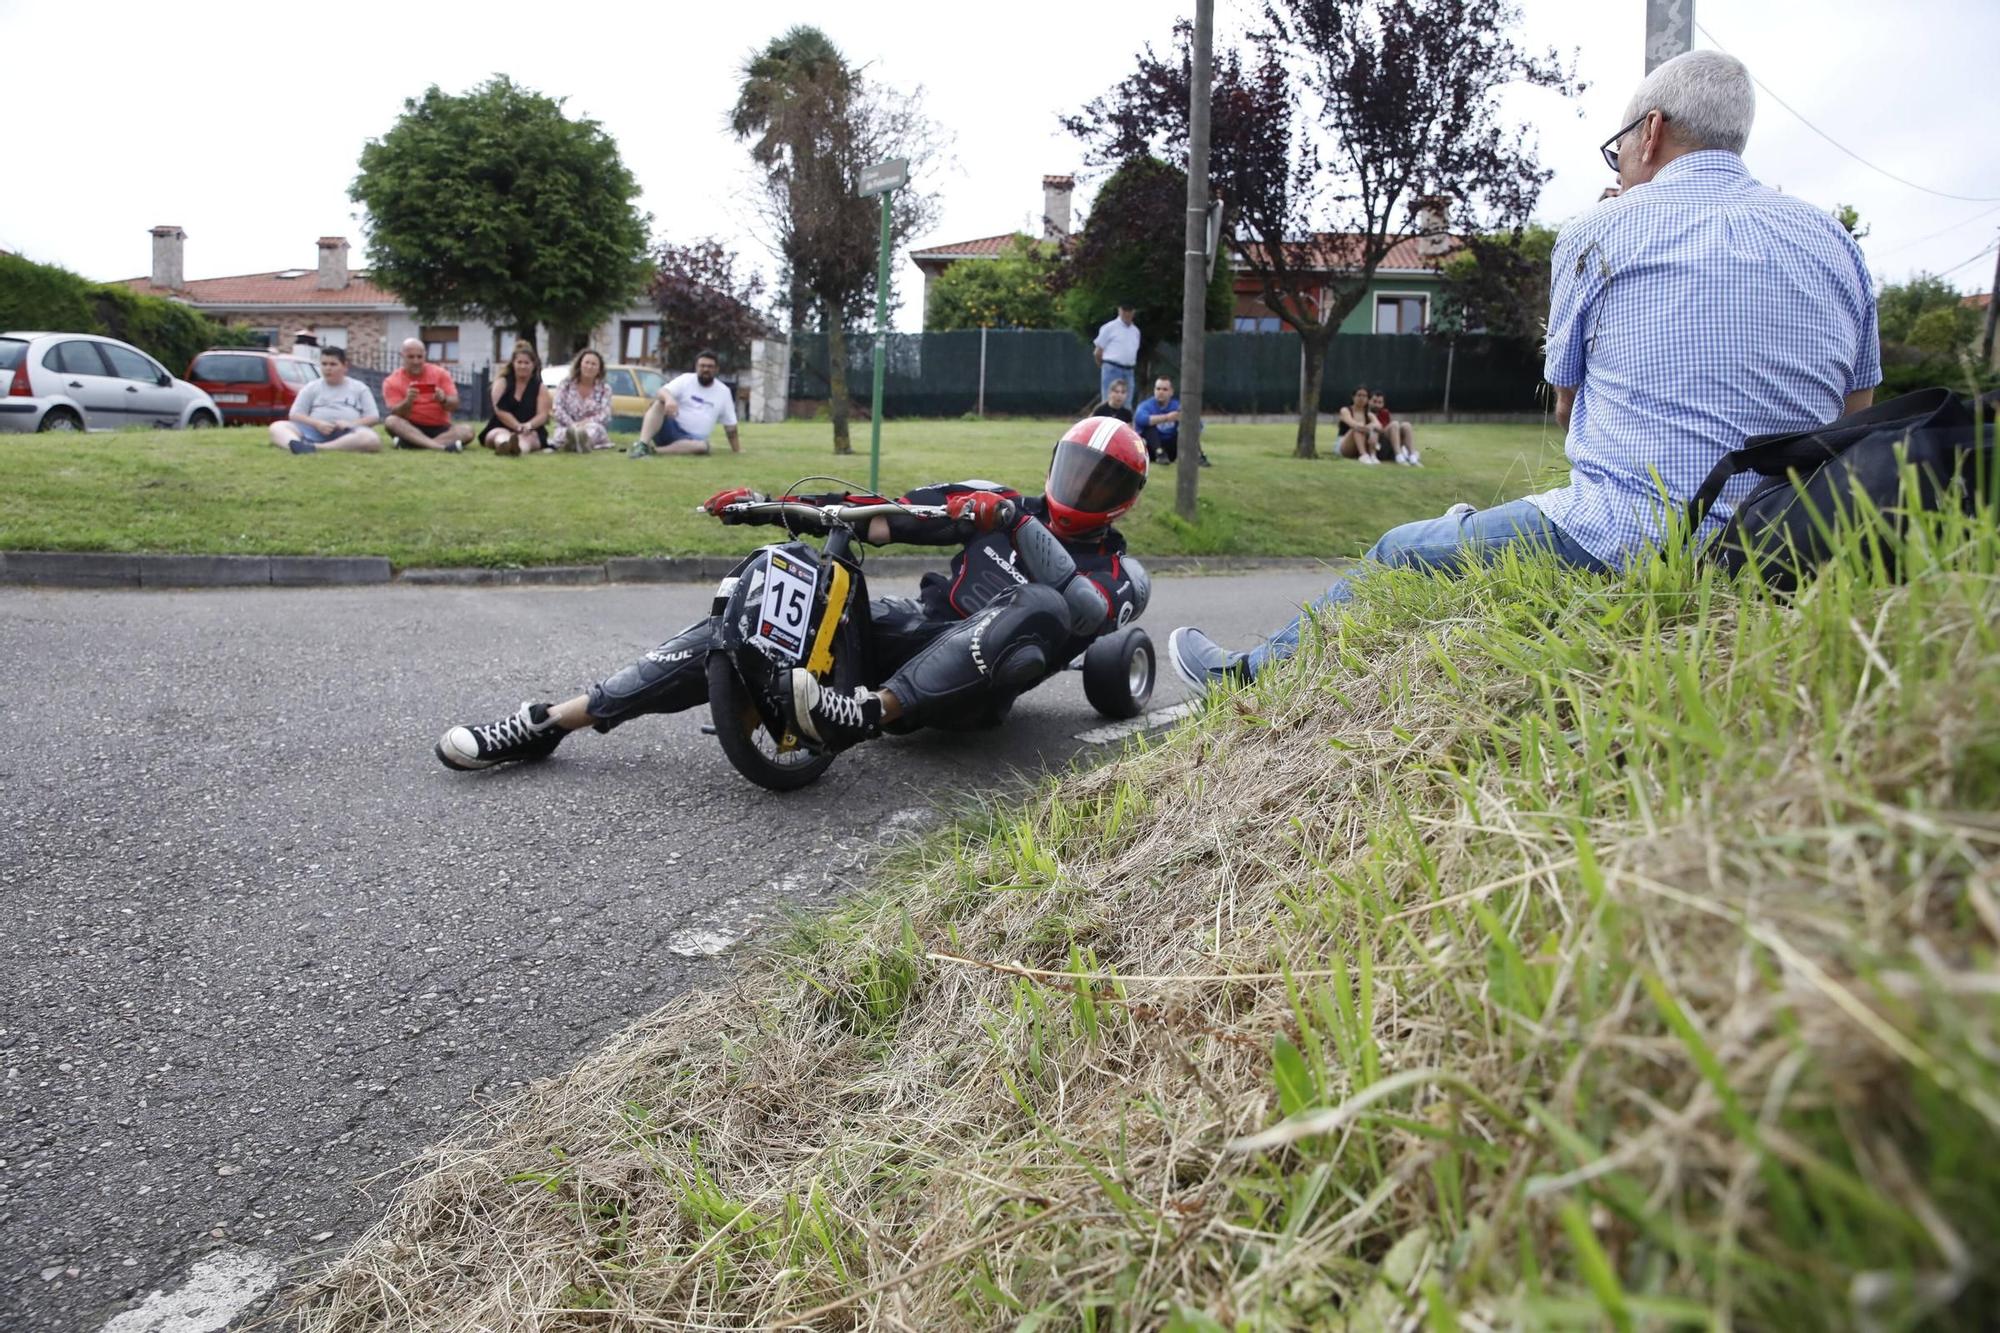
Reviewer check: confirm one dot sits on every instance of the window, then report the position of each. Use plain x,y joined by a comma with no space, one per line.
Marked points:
74,358
621,383
228,368
267,337
1401,314
651,382
11,351
441,343
331,335
1259,324
128,364
293,371
639,342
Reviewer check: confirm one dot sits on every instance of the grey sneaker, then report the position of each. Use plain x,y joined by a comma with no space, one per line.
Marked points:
528,733
1203,663
304,447
1461,510
640,450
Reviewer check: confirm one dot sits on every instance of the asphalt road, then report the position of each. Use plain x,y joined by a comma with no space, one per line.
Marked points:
257,946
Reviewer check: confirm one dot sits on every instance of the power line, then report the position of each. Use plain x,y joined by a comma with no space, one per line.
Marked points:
1963,262
1898,249
1966,198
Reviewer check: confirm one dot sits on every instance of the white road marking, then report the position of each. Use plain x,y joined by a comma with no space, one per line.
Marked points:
218,1288
698,943
1118,731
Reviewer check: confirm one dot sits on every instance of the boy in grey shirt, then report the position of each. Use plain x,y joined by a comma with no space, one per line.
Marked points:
333,412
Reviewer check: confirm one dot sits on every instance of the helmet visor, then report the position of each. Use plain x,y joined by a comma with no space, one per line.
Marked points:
1090,480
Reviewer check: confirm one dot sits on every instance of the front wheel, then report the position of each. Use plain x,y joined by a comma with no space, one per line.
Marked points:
751,748
202,420
1118,673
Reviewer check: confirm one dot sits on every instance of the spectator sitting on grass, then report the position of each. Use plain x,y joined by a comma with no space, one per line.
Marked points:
421,399
583,406
1361,435
1113,405
1755,305
683,413
333,412
520,405
1398,434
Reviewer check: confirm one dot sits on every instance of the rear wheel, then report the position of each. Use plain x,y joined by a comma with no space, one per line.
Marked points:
61,418
747,741
1118,673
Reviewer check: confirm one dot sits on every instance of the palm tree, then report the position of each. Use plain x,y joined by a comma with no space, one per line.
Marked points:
778,83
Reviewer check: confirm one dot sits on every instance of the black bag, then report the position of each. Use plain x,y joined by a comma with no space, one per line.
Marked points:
1789,525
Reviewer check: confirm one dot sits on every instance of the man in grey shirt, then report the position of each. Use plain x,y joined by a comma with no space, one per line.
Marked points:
333,412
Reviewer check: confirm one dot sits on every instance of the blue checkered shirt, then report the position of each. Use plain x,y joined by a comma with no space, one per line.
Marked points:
1691,313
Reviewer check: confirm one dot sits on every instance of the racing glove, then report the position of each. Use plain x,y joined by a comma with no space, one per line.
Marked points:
986,510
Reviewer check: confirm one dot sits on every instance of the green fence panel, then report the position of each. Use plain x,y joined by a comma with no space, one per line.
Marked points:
1045,372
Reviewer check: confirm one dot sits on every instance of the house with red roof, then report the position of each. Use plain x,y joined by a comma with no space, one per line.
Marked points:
1400,299
340,306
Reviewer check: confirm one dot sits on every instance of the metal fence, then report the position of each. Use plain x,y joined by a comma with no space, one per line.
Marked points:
1043,372
473,386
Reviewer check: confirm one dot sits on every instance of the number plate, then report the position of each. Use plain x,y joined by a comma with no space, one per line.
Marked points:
786,614
231,397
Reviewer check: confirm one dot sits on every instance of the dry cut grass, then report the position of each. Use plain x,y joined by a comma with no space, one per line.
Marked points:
1539,952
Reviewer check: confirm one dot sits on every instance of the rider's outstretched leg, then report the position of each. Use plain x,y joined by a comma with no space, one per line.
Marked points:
668,679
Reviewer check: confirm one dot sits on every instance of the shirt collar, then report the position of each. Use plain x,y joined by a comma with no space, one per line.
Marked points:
1705,162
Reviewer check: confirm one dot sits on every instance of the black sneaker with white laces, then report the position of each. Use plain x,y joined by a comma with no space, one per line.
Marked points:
529,733
1203,663
827,717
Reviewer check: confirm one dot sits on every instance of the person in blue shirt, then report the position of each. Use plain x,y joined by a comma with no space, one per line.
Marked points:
1695,309
1158,422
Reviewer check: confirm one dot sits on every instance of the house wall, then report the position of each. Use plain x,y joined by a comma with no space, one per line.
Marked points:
1361,319
367,330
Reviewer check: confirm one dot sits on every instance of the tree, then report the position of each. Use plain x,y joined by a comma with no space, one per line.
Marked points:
495,205
1339,124
814,124
1014,291
703,304
1130,250
1849,218
1498,284
1902,307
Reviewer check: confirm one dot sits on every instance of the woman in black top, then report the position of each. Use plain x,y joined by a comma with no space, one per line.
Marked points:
1114,406
520,406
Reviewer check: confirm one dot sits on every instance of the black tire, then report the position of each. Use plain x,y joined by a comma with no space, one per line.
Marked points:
203,420
1118,673
737,726
60,418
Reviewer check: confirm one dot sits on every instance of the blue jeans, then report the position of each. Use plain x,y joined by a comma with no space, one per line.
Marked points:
1443,545
1107,373
670,431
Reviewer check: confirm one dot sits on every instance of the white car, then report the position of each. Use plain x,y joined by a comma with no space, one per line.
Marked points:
80,381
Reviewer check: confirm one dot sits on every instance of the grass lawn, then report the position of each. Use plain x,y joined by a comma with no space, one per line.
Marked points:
230,492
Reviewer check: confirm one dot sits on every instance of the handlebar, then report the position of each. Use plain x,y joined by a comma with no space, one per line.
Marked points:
843,515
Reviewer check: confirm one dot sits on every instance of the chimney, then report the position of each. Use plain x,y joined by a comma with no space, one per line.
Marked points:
332,263
167,243
1433,230
1055,206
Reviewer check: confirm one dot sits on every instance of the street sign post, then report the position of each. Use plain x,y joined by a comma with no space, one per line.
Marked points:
883,179
1669,30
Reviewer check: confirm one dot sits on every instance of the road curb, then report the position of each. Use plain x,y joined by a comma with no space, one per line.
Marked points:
95,569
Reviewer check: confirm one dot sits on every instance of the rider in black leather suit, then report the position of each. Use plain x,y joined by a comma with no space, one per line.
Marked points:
1042,577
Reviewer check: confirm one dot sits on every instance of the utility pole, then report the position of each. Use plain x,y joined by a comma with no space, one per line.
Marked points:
1194,279
1992,313
881,179
1669,30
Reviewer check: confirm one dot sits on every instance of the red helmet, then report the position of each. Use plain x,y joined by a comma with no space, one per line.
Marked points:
1096,474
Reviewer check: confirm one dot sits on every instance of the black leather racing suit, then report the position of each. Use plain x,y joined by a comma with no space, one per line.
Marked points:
1016,606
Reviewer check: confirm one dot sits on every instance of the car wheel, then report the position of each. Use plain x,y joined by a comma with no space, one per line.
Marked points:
61,418
202,420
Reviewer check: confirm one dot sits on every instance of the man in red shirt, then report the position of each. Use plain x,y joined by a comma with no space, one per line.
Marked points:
421,398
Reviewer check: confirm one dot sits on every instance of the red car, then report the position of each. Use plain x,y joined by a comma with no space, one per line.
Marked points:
251,385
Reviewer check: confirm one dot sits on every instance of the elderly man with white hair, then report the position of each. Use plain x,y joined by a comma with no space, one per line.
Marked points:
1691,311
421,399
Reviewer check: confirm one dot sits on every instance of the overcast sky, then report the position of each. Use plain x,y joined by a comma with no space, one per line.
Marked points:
143,117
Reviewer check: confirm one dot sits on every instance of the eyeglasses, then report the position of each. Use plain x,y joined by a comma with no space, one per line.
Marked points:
1609,147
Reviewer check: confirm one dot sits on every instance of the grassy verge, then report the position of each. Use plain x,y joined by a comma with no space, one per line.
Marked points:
229,492
1538,952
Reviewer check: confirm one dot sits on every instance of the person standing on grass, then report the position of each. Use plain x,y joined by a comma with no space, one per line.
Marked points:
1116,349
583,406
683,413
333,412
1113,405
421,399
520,405
1692,311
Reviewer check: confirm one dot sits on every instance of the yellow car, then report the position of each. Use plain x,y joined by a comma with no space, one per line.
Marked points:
632,388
